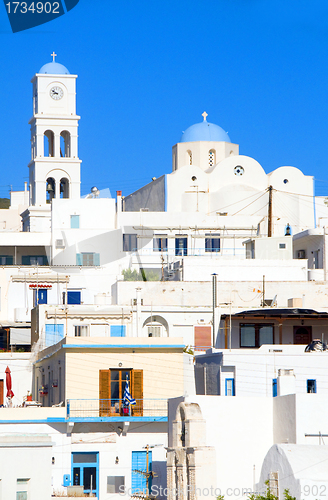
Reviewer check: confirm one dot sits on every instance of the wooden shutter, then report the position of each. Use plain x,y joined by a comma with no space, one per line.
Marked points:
1,392
203,337
137,392
104,385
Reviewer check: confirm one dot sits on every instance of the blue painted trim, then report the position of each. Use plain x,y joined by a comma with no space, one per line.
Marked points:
86,419
274,388
81,465
122,346
232,386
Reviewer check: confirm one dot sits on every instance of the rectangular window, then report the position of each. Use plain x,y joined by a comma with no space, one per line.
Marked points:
81,330
111,392
34,260
117,330
139,463
255,335
40,297
54,333
229,386
212,242
154,331
22,489
160,243
311,386
274,388
75,221
130,242
88,259
282,245
6,260
73,297
115,484
181,245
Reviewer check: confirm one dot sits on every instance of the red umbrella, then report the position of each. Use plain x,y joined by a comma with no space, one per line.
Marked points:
10,393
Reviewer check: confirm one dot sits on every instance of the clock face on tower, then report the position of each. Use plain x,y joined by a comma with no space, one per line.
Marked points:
56,93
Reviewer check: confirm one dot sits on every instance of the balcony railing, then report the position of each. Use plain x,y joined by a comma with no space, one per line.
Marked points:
93,408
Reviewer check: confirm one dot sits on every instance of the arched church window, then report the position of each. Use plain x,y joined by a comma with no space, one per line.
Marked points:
49,143
189,157
50,189
65,144
211,157
64,188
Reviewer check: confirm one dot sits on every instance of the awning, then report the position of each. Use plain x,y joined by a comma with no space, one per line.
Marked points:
40,285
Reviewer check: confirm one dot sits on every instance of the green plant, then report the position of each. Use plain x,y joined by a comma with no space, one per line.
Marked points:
270,496
188,349
143,275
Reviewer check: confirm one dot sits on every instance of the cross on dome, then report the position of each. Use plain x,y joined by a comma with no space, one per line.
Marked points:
53,55
204,115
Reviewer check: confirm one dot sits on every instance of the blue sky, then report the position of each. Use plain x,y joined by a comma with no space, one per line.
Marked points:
148,69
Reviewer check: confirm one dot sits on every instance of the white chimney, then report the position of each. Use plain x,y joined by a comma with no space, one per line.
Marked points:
286,382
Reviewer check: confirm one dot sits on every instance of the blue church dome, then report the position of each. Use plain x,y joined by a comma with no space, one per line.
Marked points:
54,68
204,131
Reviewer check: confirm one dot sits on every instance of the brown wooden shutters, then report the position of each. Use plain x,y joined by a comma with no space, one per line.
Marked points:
104,397
203,337
137,392
1,392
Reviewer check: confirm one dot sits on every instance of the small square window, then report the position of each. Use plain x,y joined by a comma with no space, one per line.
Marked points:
311,386
115,484
282,245
81,330
75,221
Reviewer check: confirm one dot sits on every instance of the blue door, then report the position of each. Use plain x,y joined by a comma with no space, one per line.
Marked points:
85,471
139,463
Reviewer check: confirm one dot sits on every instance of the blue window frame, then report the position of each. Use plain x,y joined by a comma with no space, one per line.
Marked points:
6,260
54,333
181,245
117,330
74,297
160,243
40,297
139,463
75,221
212,244
34,260
274,388
311,386
88,259
230,387
85,471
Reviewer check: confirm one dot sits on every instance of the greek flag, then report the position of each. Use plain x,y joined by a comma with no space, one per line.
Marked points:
127,398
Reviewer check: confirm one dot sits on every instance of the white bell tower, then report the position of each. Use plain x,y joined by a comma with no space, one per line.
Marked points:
55,165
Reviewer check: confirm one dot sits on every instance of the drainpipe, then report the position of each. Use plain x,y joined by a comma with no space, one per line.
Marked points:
138,318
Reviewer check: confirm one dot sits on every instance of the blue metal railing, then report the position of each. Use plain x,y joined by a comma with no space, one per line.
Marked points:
84,408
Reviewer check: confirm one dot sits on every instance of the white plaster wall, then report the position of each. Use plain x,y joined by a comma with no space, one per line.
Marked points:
19,364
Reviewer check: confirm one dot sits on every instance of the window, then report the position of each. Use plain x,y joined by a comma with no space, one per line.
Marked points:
34,260
274,388
75,221
189,157
40,297
282,245
311,386
88,259
111,391
6,260
81,330
203,338
85,472
139,463
129,242
117,330
154,331
22,489
252,335
73,297
212,243
229,386
181,245
54,333
211,157
115,484
160,243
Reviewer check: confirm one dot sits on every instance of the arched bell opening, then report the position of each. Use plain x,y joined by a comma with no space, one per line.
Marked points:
49,143
50,189
65,144
64,188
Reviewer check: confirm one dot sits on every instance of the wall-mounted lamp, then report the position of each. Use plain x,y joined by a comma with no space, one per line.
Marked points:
117,460
120,364
53,460
120,428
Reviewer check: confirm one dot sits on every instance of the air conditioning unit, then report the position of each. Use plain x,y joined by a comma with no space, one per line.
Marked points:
301,254
60,244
